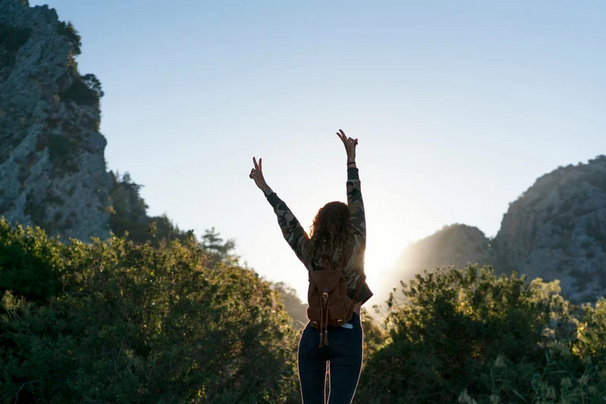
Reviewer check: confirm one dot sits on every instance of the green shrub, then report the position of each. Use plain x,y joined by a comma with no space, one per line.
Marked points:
68,30
30,263
92,82
80,93
469,336
592,331
131,323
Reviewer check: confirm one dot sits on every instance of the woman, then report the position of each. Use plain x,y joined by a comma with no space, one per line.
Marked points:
338,230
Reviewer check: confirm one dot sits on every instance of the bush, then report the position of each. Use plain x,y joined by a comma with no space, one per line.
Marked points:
80,93
68,30
30,263
92,82
124,323
468,336
592,331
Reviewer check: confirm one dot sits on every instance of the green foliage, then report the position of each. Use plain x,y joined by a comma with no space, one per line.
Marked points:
121,322
83,91
128,216
11,40
218,251
176,320
128,210
591,331
68,30
29,262
469,336
375,337
92,82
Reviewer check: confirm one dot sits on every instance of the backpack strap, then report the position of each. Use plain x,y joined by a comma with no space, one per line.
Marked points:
327,263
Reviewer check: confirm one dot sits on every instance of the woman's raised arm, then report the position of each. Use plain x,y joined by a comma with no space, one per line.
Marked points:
292,230
354,193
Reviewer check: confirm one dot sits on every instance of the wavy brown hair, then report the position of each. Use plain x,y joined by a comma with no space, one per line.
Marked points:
331,230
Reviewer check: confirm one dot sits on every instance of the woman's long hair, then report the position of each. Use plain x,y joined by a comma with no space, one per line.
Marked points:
331,231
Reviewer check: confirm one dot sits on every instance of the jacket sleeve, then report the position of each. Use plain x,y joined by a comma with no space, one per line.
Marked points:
292,230
356,205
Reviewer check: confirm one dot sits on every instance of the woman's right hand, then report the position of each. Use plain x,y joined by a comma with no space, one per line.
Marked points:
350,146
257,175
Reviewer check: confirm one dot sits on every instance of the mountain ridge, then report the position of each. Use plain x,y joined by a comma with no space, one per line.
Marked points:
556,229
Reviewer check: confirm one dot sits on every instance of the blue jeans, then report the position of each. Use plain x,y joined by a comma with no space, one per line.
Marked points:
344,352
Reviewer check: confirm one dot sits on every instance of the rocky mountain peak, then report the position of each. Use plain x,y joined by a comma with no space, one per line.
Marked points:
49,127
557,230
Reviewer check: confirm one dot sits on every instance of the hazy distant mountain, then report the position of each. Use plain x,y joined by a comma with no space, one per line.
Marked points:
456,244
554,230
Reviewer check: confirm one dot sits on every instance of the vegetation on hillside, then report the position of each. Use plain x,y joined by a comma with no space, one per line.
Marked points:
469,336
128,215
122,322
68,30
86,89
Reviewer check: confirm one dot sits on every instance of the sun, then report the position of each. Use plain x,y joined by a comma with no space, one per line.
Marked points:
382,252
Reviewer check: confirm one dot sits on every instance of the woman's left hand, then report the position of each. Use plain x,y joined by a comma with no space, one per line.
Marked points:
350,146
257,175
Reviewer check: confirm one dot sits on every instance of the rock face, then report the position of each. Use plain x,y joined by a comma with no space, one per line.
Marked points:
557,230
52,166
554,230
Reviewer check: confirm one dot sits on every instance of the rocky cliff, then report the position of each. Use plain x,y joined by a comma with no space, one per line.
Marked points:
554,230
52,167
557,230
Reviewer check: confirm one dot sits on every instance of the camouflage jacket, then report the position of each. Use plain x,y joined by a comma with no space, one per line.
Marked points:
297,238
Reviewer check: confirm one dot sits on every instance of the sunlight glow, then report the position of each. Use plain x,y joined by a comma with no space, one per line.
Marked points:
384,247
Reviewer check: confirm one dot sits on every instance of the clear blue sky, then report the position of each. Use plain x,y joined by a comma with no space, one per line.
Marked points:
458,107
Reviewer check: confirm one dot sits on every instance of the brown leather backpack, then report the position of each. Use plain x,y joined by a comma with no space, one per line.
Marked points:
327,298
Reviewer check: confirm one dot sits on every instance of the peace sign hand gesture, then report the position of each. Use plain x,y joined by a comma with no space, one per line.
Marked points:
257,175
350,146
